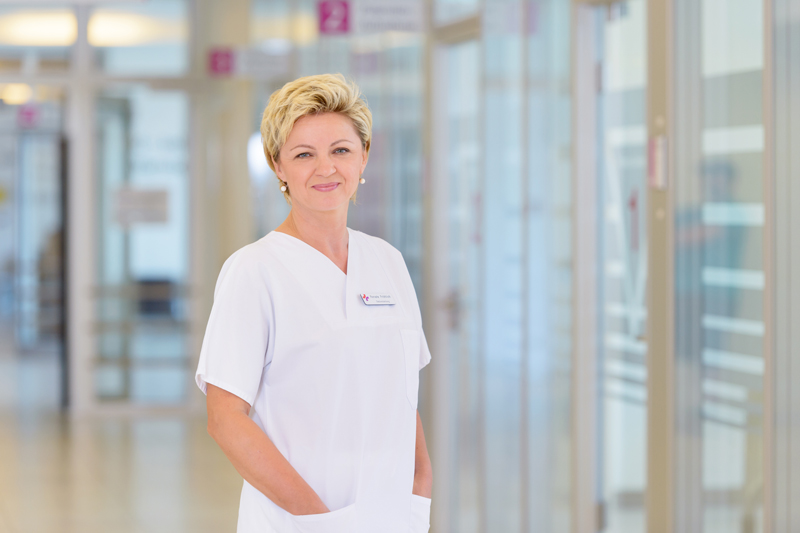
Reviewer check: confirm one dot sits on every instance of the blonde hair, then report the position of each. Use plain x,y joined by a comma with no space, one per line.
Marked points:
312,95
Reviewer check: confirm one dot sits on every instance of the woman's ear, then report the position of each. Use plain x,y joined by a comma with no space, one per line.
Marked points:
277,166
365,159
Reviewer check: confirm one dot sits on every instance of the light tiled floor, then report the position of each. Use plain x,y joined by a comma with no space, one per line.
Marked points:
131,475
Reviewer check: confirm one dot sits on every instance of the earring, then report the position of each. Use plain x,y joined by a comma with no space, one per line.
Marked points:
362,180
283,187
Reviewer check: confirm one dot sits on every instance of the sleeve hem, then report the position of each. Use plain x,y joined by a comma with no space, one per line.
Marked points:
203,380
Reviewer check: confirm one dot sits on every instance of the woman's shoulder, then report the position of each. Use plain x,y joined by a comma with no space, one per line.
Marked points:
381,247
256,258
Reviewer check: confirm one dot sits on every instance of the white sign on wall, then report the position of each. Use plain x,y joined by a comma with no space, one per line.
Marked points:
377,16
137,206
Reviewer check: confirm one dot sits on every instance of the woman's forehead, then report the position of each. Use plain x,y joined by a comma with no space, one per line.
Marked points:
322,129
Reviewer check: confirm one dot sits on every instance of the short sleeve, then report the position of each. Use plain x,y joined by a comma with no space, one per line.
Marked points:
235,345
424,351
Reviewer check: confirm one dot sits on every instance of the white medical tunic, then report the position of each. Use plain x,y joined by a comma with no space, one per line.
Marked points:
331,380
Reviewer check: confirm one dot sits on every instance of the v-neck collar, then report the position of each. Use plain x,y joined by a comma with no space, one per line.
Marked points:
334,265
352,266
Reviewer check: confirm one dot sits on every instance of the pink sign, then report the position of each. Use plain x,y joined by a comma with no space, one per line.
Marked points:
28,116
334,17
221,61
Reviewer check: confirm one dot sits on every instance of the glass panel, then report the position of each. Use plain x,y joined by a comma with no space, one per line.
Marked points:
445,11
36,39
144,235
549,257
141,38
463,143
32,172
719,279
502,254
622,265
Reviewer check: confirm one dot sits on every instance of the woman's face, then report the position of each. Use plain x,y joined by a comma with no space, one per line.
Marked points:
322,161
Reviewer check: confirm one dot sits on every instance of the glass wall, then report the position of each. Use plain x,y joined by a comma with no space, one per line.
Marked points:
546,166
502,147
622,264
719,239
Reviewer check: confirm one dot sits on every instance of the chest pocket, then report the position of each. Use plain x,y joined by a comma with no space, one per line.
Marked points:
411,349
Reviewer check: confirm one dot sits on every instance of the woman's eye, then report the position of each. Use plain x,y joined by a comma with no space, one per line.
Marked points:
341,151
302,156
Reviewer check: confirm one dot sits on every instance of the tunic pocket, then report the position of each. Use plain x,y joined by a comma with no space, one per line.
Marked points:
420,514
340,521
411,348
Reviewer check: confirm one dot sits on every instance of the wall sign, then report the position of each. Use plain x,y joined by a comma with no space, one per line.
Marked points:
137,206
251,63
334,17
378,16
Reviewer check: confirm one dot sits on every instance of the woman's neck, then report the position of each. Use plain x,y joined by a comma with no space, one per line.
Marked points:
327,232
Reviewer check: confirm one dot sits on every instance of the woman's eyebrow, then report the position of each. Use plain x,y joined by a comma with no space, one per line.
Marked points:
342,140
302,146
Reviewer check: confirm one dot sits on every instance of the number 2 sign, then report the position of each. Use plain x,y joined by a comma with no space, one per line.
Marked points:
334,17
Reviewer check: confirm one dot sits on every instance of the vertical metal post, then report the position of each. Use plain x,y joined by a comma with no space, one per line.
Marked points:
584,282
81,247
769,269
660,275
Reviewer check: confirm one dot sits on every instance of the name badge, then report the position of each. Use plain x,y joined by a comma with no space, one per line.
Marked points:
377,299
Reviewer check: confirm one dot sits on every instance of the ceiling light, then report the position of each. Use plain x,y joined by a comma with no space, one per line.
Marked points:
16,93
119,28
38,28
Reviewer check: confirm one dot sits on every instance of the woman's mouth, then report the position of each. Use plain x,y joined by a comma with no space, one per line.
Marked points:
326,187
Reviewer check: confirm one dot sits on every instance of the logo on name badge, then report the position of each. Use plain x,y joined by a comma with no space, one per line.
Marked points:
377,299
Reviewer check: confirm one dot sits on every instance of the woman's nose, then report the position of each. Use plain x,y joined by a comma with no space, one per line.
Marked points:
326,166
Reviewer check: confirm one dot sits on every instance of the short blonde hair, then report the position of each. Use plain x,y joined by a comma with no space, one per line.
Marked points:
312,95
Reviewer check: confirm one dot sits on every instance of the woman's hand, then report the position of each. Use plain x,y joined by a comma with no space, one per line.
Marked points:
423,473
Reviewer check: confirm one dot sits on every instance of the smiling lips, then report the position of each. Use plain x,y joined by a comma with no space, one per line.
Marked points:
326,187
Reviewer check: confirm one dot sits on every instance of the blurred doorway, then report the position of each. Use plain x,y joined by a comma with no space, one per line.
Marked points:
143,241
32,223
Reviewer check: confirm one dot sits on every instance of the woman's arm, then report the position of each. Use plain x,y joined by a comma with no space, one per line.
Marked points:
423,473
254,455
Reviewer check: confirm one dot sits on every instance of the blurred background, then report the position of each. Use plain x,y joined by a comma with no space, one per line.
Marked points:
593,197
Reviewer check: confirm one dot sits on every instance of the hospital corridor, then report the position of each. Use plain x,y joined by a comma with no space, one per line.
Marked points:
573,259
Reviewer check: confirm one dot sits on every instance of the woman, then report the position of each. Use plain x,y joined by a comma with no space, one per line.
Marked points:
312,352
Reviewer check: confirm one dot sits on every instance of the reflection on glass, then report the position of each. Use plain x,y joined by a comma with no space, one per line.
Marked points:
719,276
623,266
141,38
36,39
143,262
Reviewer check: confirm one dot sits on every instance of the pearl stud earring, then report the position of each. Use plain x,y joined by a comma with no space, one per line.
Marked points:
362,180
283,187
